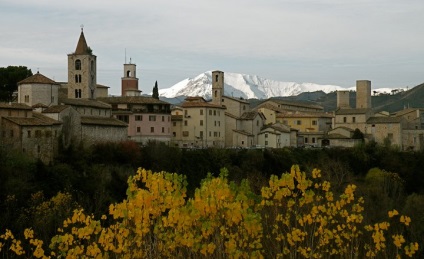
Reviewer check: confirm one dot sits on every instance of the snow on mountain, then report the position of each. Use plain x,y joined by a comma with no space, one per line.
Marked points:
246,86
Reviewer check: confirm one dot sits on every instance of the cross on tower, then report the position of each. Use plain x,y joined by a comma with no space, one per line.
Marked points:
82,27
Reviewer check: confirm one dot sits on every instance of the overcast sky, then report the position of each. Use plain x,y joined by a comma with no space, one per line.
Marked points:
320,41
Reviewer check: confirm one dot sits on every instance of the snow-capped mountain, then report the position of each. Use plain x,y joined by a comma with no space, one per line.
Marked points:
246,86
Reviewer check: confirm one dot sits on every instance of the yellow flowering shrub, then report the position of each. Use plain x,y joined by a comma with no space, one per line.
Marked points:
293,217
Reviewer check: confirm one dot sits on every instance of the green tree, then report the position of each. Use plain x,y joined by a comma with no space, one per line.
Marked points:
156,91
9,78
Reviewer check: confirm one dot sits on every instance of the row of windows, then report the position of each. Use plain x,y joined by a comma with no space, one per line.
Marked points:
216,123
345,119
299,122
77,78
152,130
211,112
186,134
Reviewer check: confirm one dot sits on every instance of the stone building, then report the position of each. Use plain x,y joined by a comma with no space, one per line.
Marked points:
38,89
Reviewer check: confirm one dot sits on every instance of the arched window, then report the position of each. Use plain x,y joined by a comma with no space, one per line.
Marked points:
79,78
216,93
92,65
128,73
76,78
77,64
216,78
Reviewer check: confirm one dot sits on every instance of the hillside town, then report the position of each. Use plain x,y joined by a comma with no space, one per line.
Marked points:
48,115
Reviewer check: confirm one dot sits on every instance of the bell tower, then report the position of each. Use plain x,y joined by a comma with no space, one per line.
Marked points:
82,71
217,87
129,83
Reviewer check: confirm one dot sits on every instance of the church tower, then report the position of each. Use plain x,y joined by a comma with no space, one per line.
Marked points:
129,83
217,87
82,67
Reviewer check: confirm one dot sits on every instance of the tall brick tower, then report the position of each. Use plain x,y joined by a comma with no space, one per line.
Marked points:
129,83
82,71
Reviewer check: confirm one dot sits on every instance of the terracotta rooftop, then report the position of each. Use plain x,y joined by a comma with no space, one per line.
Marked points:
45,118
32,121
39,105
352,111
37,79
278,127
16,106
131,100
249,115
56,108
106,121
243,132
241,100
86,103
377,120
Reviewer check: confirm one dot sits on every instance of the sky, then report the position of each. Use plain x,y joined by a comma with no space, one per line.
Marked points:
320,41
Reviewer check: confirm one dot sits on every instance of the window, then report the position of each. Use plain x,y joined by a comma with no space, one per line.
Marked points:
313,140
29,133
185,113
185,133
79,78
266,142
174,134
210,112
92,65
344,119
201,134
123,118
163,118
298,122
353,119
77,93
174,123
215,134
214,113
185,123
152,129
216,78
77,64
38,133
27,98
210,133
152,117
163,129
138,117
138,129
314,122
201,122
266,135
306,140
201,112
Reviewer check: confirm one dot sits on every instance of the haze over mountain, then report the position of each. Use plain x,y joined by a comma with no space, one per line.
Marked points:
240,85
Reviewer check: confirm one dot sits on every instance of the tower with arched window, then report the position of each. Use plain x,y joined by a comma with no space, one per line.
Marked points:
217,87
129,82
82,67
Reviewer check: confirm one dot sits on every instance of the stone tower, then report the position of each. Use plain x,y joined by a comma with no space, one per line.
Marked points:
82,75
363,94
217,87
343,100
129,83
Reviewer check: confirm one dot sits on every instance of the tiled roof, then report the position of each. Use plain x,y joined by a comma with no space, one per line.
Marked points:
237,99
352,111
82,47
286,114
131,100
16,106
86,103
104,121
192,104
249,115
278,127
32,121
296,103
377,120
56,108
337,136
243,132
37,79
45,118
39,105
